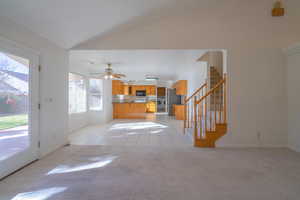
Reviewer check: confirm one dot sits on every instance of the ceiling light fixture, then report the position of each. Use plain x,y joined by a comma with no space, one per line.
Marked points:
278,9
108,73
151,78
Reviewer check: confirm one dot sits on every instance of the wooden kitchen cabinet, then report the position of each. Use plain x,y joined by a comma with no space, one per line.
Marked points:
181,87
129,110
117,87
151,107
138,110
161,91
119,110
126,89
179,111
134,88
151,90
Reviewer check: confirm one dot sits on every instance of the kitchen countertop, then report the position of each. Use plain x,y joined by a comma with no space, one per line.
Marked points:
133,102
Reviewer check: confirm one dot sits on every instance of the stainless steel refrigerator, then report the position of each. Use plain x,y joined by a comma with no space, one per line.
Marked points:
172,99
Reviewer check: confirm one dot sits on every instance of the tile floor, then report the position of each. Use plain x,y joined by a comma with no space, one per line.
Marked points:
114,171
162,132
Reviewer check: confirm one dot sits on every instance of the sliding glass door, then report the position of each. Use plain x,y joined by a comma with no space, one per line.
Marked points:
18,107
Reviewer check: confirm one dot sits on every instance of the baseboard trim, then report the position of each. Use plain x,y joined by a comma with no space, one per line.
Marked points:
293,148
42,155
14,172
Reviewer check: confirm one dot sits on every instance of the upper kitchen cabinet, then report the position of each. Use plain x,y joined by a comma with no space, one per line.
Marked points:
135,88
117,87
126,89
161,91
181,87
151,90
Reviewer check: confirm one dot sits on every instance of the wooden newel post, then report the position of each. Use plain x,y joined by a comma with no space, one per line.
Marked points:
185,113
195,119
225,99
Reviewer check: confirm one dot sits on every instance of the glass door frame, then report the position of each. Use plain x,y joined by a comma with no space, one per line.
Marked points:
31,153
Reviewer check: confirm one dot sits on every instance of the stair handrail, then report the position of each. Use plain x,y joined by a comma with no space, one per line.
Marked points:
204,121
195,93
188,106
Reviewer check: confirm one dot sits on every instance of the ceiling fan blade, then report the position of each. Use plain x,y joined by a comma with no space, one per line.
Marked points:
97,75
122,75
116,76
108,73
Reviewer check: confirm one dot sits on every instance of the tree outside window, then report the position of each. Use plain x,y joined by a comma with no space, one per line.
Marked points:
77,93
95,94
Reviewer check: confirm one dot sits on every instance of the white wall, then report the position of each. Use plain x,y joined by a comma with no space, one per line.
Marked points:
53,84
193,71
81,120
255,62
214,58
104,116
197,72
293,93
78,120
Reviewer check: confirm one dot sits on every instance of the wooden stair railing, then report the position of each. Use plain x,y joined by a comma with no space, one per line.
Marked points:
210,121
189,106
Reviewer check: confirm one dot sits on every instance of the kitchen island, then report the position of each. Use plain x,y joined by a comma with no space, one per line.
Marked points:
132,110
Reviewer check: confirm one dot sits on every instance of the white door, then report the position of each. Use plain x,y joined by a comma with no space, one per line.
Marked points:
19,113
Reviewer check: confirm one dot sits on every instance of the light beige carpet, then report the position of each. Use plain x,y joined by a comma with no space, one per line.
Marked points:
154,173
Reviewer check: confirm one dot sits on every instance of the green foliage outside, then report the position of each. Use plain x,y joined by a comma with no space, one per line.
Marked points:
13,121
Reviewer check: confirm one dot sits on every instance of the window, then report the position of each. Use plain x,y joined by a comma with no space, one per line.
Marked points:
77,93
95,94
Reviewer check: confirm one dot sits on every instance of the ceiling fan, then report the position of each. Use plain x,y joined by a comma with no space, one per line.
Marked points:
109,73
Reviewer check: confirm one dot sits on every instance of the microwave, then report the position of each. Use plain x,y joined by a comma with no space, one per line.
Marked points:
140,93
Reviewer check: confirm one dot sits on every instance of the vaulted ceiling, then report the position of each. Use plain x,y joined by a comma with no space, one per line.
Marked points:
69,23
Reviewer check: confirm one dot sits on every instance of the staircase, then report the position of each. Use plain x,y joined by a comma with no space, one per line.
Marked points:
205,114
214,79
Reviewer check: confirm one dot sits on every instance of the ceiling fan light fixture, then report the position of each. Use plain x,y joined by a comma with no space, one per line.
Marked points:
109,73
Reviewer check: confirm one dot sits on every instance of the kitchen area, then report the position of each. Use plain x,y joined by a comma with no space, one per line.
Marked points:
145,101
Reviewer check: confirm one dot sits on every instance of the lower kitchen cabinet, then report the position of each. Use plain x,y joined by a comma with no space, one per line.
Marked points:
129,110
179,111
151,107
